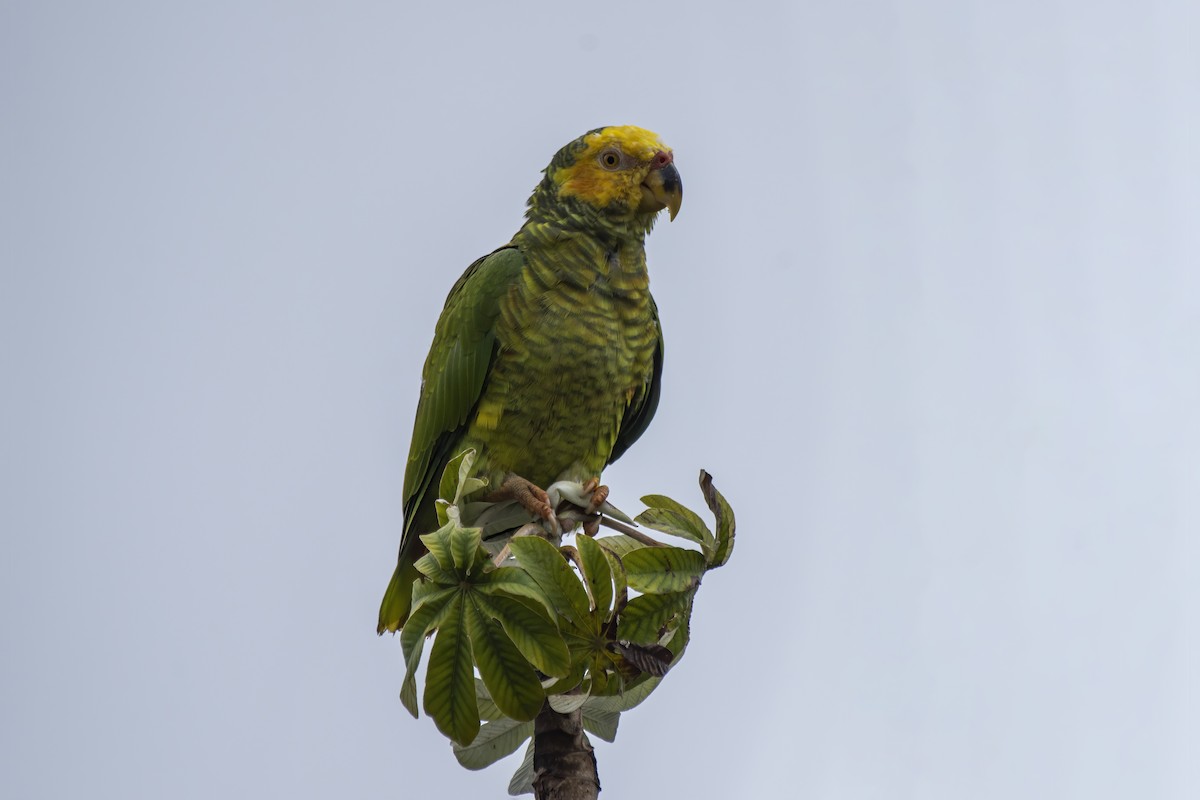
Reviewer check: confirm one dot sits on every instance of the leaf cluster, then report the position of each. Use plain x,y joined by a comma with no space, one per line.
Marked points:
594,626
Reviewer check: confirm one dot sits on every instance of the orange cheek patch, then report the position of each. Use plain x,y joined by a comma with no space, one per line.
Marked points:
596,186
599,187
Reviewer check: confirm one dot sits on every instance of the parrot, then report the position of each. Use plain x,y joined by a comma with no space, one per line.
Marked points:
547,356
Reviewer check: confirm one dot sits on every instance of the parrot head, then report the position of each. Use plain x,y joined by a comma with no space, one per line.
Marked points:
620,170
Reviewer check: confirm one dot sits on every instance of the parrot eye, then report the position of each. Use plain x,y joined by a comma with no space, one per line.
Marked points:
610,159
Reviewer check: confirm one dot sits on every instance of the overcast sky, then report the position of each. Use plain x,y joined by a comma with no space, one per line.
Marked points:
932,314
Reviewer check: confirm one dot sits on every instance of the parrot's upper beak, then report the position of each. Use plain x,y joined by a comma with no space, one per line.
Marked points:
662,188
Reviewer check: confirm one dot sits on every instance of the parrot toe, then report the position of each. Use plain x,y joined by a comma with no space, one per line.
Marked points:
530,496
599,495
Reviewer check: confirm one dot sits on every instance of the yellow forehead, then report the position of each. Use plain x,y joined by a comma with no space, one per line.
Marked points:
637,142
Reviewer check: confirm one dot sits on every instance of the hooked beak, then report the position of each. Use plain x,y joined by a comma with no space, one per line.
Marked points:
663,188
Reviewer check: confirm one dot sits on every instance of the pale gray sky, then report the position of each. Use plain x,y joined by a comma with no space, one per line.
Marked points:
932,311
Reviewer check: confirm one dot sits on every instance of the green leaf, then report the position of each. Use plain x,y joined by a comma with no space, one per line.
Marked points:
453,473
546,564
667,516
467,486
464,545
430,592
496,517
726,524
515,582
522,779
599,676
487,709
601,723
626,700
620,582
679,640
495,741
438,545
424,618
412,640
408,689
620,544
450,679
597,574
660,570
509,678
534,635
566,703
430,567
458,480
573,679
645,618
448,485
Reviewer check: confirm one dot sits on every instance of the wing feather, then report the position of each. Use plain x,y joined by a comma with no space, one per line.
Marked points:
639,413
455,373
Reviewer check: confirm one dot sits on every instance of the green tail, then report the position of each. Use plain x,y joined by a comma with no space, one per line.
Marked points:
397,600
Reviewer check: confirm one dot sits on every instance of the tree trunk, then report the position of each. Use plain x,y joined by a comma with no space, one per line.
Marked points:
564,767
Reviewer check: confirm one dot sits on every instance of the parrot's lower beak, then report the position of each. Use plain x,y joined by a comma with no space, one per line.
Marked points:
663,188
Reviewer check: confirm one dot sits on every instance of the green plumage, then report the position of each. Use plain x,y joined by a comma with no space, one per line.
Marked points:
546,360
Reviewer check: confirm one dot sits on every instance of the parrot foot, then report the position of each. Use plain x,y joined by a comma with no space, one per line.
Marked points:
599,497
530,497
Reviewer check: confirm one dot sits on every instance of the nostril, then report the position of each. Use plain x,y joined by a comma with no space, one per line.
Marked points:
661,159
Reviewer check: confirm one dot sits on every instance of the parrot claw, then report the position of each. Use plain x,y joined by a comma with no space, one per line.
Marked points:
599,495
530,496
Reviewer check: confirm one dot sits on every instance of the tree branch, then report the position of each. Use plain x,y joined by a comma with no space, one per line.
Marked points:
564,766
631,532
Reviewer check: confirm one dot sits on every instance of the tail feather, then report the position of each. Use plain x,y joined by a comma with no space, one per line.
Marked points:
397,600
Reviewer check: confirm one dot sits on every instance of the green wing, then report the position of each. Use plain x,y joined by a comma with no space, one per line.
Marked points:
455,373
464,344
645,403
